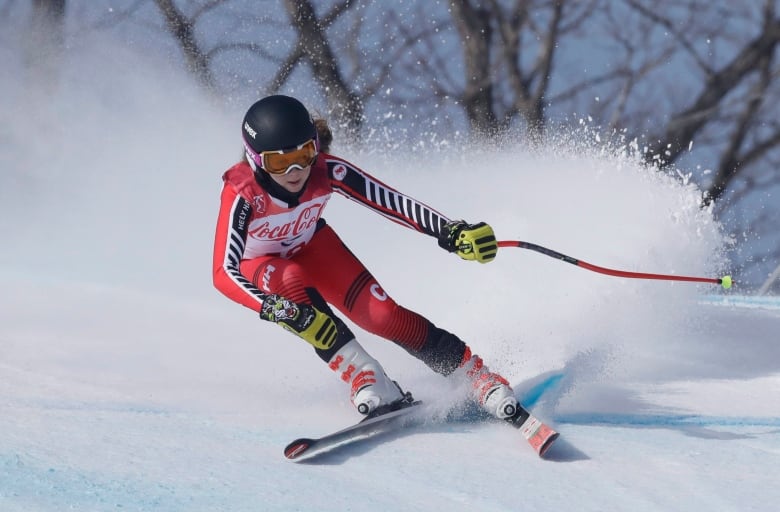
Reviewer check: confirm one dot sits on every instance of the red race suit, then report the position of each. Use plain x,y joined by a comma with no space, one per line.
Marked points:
265,244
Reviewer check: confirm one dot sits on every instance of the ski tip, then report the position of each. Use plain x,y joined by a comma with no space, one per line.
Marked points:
547,444
297,448
538,435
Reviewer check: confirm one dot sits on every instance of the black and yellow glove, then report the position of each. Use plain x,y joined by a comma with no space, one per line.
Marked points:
304,320
469,241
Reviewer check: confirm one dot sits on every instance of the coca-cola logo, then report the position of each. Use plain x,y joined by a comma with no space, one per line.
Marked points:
271,229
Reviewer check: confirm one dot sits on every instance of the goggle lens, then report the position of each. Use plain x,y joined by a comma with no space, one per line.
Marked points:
282,162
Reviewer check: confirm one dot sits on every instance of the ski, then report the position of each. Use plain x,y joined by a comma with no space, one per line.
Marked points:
539,435
380,421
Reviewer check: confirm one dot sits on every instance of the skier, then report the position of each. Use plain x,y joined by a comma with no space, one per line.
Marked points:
275,254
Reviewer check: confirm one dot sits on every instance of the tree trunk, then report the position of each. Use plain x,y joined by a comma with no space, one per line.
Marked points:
44,44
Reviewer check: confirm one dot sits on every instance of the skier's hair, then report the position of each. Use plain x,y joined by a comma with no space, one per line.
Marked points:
324,135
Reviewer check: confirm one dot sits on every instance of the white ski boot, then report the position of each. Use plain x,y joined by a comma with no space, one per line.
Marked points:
490,390
370,387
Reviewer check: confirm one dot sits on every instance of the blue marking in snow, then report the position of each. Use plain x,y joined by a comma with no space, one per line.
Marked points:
744,301
666,420
531,396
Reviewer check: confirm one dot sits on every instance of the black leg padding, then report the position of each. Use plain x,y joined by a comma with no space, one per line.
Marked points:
442,351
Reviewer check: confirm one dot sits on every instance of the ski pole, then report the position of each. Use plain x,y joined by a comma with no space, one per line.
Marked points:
724,281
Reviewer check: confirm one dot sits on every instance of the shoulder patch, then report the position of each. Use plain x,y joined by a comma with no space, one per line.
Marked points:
340,172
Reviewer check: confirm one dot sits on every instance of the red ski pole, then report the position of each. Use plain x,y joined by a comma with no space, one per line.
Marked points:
724,281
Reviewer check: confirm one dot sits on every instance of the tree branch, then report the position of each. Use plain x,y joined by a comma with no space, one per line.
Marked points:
183,32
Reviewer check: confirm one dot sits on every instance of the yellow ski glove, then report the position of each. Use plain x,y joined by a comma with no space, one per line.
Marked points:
304,320
469,241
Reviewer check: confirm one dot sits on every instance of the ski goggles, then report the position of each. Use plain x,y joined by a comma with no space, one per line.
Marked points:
283,161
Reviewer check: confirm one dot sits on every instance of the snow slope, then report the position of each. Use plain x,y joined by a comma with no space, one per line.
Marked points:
127,382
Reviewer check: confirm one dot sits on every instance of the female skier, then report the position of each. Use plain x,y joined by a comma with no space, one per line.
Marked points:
275,254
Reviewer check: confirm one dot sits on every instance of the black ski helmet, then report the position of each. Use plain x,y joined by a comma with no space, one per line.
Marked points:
277,122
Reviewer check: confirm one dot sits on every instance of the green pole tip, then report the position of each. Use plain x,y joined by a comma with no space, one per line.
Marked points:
725,281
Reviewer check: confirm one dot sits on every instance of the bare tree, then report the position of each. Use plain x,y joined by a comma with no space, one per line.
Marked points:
44,42
752,65
508,55
736,113
312,46
476,31
346,105
182,29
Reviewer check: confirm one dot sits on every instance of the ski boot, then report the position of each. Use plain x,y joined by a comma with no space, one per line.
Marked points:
370,389
490,390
